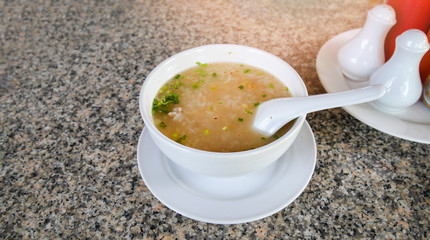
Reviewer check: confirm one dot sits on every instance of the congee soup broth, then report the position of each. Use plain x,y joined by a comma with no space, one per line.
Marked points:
211,106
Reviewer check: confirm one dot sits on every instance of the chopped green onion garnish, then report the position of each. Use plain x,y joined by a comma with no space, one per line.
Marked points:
163,125
206,132
241,87
196,85
202,64
264,95
163,102
213,74
247,70
177,76
240,119
179,140
263,138
271,85
176,85
169,98
286,88
256,104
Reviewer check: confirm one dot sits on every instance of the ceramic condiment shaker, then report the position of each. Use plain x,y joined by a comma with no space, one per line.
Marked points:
400,74
363,54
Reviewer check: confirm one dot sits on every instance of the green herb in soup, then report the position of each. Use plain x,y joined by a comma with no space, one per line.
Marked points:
210,107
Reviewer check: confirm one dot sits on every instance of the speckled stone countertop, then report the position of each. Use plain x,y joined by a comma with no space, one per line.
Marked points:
70,75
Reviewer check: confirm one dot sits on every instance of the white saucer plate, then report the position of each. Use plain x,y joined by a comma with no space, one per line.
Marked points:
228,200
412,124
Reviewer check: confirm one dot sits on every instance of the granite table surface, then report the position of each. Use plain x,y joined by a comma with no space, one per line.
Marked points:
70,76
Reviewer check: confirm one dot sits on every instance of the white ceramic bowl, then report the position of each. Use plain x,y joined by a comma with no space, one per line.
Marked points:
217,164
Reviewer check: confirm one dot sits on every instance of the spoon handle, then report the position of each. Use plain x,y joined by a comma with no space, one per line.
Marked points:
275,113
332,100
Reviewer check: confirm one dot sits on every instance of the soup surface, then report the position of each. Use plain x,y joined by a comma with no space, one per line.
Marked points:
211,106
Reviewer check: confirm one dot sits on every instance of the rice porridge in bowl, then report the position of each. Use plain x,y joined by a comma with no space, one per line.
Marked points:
198,107
211,106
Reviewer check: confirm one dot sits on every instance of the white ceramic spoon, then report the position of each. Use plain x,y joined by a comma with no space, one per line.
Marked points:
273,114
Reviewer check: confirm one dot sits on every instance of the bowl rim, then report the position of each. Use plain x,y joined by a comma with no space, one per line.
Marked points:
153,130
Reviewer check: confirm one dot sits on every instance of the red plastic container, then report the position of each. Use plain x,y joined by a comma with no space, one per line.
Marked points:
410,14
425,63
